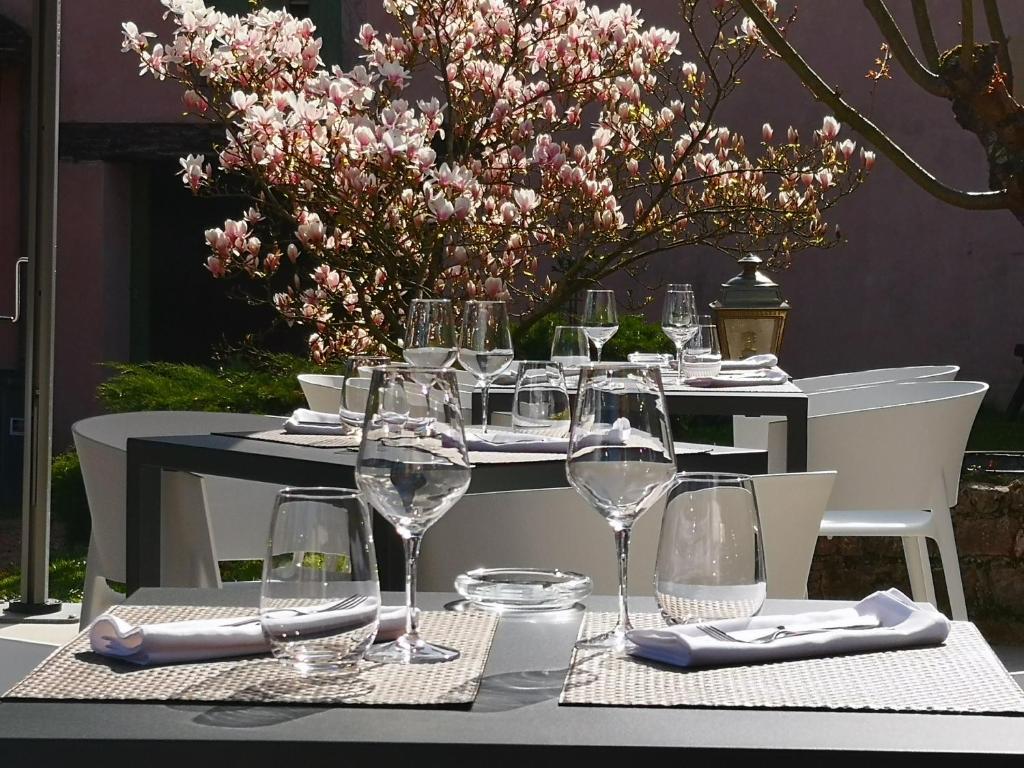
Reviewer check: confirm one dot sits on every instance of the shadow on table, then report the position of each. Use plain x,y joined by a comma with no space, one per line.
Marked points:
512,690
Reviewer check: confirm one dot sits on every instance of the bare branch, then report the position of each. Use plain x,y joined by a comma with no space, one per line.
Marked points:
995,27
989,201
925,34
920,74
966,33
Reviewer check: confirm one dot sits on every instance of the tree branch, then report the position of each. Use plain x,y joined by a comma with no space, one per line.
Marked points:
995,27
988,201
920,74
966,34
925,34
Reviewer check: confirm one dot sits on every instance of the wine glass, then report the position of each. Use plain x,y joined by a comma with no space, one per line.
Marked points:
540,404
600,319
412,468
621,458
430,333
485,345
702,356
710,552
679,319
569,346
319,597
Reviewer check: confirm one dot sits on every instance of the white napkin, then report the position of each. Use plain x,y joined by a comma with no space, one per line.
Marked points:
306,422
181,641
514,442
901,624
752,363
755,378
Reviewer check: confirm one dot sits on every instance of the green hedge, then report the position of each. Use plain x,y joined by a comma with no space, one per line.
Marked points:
634,335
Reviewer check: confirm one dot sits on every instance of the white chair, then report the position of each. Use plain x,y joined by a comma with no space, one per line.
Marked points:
558,529
323,393
769,432
205,519
357,391
898,449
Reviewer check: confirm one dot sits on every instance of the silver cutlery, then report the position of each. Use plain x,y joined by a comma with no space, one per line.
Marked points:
776,634
341,605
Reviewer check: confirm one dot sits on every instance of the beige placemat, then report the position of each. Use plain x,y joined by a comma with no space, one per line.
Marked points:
315,441
961,676
74,672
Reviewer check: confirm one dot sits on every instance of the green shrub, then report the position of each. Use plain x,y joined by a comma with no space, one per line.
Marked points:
68,504
634,335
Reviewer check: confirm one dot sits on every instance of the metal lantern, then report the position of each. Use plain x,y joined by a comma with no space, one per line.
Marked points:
751,313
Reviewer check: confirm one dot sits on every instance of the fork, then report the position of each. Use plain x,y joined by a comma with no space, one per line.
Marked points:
341,605
778,633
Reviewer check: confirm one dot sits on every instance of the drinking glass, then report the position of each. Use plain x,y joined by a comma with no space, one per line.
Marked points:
621,458
702,356
319,598
679,319
485,345
600,319
412,467
710,554
430,333
540,404
569,346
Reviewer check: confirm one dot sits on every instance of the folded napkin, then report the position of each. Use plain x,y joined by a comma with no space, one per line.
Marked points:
901,624
752,363
740,379
514,442
651,358
182,641
307,422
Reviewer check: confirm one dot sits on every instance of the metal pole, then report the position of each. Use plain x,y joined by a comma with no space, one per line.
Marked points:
44,116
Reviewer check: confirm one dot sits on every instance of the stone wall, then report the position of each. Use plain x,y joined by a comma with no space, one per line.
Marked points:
989,524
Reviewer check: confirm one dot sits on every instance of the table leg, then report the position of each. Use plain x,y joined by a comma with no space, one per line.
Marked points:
796,437
142,525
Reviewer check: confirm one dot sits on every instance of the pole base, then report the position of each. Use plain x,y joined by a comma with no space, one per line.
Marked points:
34,609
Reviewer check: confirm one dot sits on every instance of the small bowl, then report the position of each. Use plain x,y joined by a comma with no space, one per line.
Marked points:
523,589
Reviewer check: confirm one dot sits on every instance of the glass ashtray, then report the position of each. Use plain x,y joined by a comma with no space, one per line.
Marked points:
523,589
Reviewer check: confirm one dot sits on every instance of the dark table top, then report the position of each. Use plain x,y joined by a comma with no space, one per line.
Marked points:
515,717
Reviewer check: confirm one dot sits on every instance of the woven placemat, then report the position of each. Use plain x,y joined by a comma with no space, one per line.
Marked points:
962,676
74,672
314,441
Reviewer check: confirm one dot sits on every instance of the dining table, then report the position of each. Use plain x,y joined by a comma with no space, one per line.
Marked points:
244,457
515,718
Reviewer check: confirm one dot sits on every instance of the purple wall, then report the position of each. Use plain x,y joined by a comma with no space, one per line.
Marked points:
917,281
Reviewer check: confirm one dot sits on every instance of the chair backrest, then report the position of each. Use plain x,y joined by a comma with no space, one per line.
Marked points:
357,391
878,376
791,507
188,537
323,392
896,446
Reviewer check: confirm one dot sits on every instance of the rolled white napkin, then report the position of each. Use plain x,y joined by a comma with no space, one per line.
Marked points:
752,363
306,422
901,624
740,379
182,641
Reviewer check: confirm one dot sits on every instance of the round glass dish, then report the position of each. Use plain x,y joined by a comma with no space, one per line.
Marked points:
522,589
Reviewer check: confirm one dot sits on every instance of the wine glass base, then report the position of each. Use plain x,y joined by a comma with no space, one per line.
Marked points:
615,640
401,651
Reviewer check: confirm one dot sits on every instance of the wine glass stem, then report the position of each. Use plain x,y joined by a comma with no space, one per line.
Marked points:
486,392
598,348
622,552
412,553
679,362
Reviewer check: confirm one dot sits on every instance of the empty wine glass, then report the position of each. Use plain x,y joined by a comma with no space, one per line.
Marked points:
710,553
702,356
485,344
621,458
430,333
569,346
319,597
412,468
600,318
540,404
679,319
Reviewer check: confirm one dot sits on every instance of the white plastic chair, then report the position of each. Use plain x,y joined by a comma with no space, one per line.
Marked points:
769,432
898,449
558,529
357,391
205,519
323,392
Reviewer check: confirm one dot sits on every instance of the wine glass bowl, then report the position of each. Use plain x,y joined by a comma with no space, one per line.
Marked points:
621,458
569,346
600,318
710,562
430,333
412,467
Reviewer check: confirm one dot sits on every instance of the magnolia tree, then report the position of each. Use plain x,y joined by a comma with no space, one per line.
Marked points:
560,144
